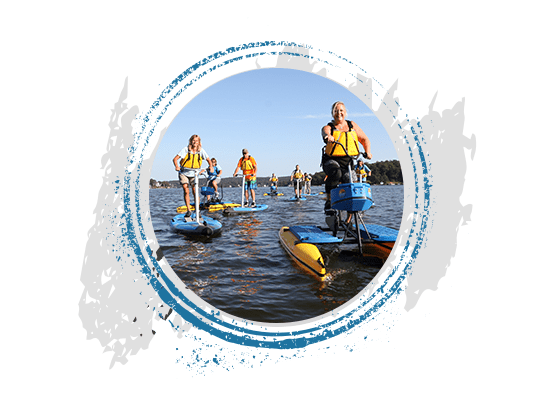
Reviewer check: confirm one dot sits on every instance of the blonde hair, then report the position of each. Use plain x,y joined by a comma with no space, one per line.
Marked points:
335,104
190,147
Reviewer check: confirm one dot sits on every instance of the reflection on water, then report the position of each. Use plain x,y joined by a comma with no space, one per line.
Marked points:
248,227
244,271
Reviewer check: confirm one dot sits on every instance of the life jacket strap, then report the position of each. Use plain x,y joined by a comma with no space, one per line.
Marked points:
332,126
190,157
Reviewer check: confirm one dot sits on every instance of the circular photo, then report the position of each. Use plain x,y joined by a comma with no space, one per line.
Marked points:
276,195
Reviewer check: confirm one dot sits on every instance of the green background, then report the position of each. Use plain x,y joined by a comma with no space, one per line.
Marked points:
477,347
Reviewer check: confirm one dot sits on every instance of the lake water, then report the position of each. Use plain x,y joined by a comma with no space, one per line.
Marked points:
244,271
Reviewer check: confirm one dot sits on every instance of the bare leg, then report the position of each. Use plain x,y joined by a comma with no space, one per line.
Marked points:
186,195
327,205
214,185
194,194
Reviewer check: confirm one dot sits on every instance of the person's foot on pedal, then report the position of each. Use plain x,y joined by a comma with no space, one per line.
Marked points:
253,204
327,205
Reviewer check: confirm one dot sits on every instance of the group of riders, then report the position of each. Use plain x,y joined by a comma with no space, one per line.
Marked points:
341,138
298,178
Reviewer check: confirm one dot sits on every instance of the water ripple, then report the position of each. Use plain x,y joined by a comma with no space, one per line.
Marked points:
244,270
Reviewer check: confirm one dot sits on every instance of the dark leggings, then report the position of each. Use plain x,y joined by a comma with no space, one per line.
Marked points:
336,174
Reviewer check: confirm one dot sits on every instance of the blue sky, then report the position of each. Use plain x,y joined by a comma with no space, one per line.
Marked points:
277,114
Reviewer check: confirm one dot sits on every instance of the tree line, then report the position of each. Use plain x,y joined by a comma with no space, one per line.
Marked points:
380,172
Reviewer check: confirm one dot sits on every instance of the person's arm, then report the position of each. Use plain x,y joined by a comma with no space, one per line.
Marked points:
237,168
326,134
255,167
202,170
363,139
175,161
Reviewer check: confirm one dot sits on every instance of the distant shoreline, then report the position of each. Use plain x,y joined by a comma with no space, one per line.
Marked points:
237,182
382,173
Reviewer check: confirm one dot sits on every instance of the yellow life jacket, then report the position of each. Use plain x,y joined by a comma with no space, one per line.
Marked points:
192,160
273,179
361,171
298,175
348,139
308,178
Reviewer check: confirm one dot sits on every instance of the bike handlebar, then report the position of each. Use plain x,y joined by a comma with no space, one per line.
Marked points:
364,154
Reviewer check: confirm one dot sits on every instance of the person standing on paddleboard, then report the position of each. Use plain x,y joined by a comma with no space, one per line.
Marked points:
307,181
249,168
191,158
298,178
335,160
214,177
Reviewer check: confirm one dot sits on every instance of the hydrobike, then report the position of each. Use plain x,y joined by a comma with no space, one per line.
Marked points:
295,198
212,203
273,192
348,202
310,194
242,209
195,224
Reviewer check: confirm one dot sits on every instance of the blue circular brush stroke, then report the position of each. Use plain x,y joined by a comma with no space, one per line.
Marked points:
210,322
